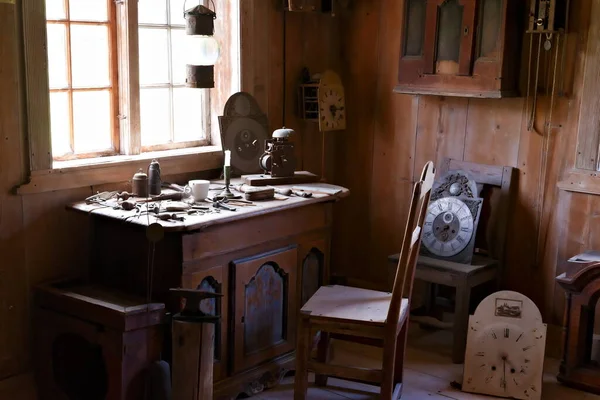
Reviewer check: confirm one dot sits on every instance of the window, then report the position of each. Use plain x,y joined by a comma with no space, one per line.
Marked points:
81,71
582,158
114,91
171,114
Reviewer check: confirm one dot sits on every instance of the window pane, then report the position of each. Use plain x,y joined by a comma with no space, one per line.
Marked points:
88,10
89,56
178,47
155,110
59,123
92,121
57,56
177,11
152,12
154,56
189,114
55,9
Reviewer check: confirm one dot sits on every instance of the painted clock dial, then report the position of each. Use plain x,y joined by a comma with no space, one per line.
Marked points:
506,359
448,227
506,341
332,110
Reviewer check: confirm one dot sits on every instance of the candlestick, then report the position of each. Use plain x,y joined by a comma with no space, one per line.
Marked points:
226,193
227,158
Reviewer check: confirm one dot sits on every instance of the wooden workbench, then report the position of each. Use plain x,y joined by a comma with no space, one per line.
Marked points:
267,259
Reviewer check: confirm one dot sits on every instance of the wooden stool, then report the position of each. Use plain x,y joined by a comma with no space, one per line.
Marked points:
93,342
462,277
193,347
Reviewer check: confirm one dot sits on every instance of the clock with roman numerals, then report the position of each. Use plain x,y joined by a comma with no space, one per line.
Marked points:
505,348
449,228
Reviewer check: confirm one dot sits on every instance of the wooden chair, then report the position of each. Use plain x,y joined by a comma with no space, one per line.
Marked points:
496,184
359,313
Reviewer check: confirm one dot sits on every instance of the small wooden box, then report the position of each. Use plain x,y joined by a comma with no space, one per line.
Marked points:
93,343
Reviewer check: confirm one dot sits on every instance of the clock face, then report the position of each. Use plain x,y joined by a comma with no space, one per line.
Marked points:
505,360
448,227
332,110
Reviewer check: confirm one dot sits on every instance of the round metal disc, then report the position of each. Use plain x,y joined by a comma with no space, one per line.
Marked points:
155,232
245,137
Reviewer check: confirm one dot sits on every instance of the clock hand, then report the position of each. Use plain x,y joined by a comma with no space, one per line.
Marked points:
504,369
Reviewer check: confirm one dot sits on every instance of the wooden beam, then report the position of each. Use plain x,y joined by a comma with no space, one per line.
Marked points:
129,77
36,82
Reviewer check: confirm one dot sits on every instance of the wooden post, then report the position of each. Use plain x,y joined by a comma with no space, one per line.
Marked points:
193,356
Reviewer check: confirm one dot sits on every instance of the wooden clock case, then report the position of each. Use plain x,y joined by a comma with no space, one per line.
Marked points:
581,283
467,48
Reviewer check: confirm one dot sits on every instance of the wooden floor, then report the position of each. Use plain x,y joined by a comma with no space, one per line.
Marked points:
428,374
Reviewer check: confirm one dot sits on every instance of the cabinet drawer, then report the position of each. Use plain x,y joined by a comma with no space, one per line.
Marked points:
265,307
246,233
214,280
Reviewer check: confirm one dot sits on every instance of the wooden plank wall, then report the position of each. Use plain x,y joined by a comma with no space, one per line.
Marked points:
40,241
391,136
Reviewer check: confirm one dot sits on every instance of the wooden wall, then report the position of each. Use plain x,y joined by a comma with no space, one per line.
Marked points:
40,241
391,136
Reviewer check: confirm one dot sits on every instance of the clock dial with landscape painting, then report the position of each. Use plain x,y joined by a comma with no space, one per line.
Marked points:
505,348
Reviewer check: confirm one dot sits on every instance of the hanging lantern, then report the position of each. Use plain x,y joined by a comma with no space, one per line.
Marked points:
202,48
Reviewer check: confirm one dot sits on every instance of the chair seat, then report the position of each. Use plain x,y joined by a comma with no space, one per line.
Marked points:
349,304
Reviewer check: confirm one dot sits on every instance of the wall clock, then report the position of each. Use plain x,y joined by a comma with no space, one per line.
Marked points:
505,348
332,103
449,228
244,129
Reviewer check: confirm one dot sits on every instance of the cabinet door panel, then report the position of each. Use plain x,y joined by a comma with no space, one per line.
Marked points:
313,267
214,280
265,307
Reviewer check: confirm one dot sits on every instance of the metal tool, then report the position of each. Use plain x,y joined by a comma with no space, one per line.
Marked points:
220,203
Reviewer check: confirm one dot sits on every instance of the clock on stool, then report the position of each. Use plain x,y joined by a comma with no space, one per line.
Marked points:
450,225
505,348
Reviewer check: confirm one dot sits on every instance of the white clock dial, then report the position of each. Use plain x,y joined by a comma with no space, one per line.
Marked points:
332,110
448,227
505,359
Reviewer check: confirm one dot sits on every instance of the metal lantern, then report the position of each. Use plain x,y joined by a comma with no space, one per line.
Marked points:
202,48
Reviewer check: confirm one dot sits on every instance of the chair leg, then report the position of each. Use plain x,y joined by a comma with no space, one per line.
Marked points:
461,322
302,357
389,358
400,354
323,357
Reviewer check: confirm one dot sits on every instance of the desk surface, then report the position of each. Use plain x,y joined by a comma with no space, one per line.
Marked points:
199,222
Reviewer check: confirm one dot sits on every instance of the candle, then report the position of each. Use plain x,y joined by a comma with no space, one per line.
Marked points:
227,158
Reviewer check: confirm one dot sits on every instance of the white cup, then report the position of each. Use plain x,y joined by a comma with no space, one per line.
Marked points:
198,189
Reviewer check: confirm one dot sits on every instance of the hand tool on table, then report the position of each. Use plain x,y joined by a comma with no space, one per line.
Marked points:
170,216
220,203
178,196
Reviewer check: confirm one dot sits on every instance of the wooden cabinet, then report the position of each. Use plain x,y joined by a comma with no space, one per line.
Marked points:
265,307
266,260
468,48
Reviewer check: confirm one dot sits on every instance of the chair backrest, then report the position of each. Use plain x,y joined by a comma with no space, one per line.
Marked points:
405,272
497,186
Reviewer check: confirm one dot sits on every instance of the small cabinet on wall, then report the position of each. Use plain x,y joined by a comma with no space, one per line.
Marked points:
467,48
